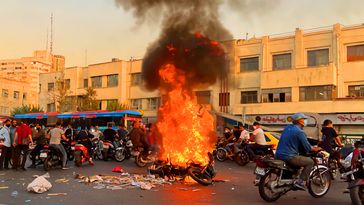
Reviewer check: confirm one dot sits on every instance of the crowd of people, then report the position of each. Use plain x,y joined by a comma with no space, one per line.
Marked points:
17,137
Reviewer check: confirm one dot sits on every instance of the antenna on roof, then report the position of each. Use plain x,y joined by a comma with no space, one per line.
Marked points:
51,43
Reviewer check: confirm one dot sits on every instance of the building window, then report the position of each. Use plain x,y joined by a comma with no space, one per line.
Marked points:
67,83
16,94
112,80
5,93
276,95
136,79
40,88
85,83
316,93
249,97
203,97
153,103
50,86
249,64
25,96
355,53
224,99
111,103
282,61
356,91
136,104
96,82
51,107
318,57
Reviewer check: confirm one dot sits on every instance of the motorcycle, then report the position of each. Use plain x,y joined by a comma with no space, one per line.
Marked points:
242,157
97,147
355,176
81,155
70,149
143,157
203,174
221,151
110,151
276,178
51,157
123,151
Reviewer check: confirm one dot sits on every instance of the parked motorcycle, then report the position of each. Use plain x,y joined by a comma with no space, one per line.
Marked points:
202,174
82,155
70,148
51,157
276,178
97,147
124,151
242,157
110,151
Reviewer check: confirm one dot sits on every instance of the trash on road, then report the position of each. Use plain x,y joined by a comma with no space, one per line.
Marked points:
27,201
46,175
39,185
118,169
58,194
14,193
4,187
62,180
122,182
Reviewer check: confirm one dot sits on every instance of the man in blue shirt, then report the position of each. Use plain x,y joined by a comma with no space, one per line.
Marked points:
292,143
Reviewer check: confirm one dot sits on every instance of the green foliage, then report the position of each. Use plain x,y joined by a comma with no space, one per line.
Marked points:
24,109
115,105
89,101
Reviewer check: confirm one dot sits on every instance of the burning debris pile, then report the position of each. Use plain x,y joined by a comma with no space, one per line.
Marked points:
183,59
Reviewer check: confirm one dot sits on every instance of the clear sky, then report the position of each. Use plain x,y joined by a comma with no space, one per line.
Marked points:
107,31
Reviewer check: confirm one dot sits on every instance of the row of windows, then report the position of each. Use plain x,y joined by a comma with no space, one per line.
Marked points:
309,93
16,94
96,82
152,104
315,58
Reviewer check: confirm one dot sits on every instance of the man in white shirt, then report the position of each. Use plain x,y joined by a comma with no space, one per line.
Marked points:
259,140
244,136
5,137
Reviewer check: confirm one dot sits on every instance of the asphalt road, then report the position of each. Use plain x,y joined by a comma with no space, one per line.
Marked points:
238,189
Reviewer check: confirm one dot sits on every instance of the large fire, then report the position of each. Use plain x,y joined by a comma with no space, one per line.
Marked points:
186,128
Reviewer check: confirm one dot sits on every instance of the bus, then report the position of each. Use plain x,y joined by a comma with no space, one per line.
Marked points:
89,118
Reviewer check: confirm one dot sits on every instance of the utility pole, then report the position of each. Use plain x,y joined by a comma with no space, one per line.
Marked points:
51,43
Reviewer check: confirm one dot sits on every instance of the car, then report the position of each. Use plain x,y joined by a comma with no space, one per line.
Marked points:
272,138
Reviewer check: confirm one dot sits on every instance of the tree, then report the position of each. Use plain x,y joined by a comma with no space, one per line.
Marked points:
24,109
89,101
61,95
115,105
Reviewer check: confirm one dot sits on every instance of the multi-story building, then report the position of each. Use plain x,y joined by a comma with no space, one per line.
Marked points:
27,69
271,77
319,70
14,94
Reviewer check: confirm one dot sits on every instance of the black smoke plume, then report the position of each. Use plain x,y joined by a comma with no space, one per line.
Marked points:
187,27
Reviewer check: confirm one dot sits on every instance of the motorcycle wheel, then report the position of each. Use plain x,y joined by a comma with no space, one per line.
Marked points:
139,161
47,163
357,195
120,155
319,182
78,158
199,177
265,187
221,154
334,171
71,156
242,158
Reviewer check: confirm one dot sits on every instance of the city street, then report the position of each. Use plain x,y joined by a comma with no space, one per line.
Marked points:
238,189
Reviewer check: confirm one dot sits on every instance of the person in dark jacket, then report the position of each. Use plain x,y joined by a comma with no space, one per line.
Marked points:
40,140
84,137
138,137
330,138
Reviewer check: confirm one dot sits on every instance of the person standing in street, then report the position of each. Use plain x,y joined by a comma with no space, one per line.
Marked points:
56,134
11,151
22,139
5,137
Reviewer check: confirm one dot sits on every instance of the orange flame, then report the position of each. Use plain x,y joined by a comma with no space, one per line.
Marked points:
185,127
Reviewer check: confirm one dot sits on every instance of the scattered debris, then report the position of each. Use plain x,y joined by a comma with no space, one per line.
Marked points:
233,189
220,180
184,189
58,194
4,187
62,180
14,193
27,201
118,169
194,190
123,181
39,185
46,175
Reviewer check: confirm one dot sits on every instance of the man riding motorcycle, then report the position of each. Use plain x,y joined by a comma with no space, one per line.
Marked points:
41,140
55,135
292,144
138,137
259,140
83,137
